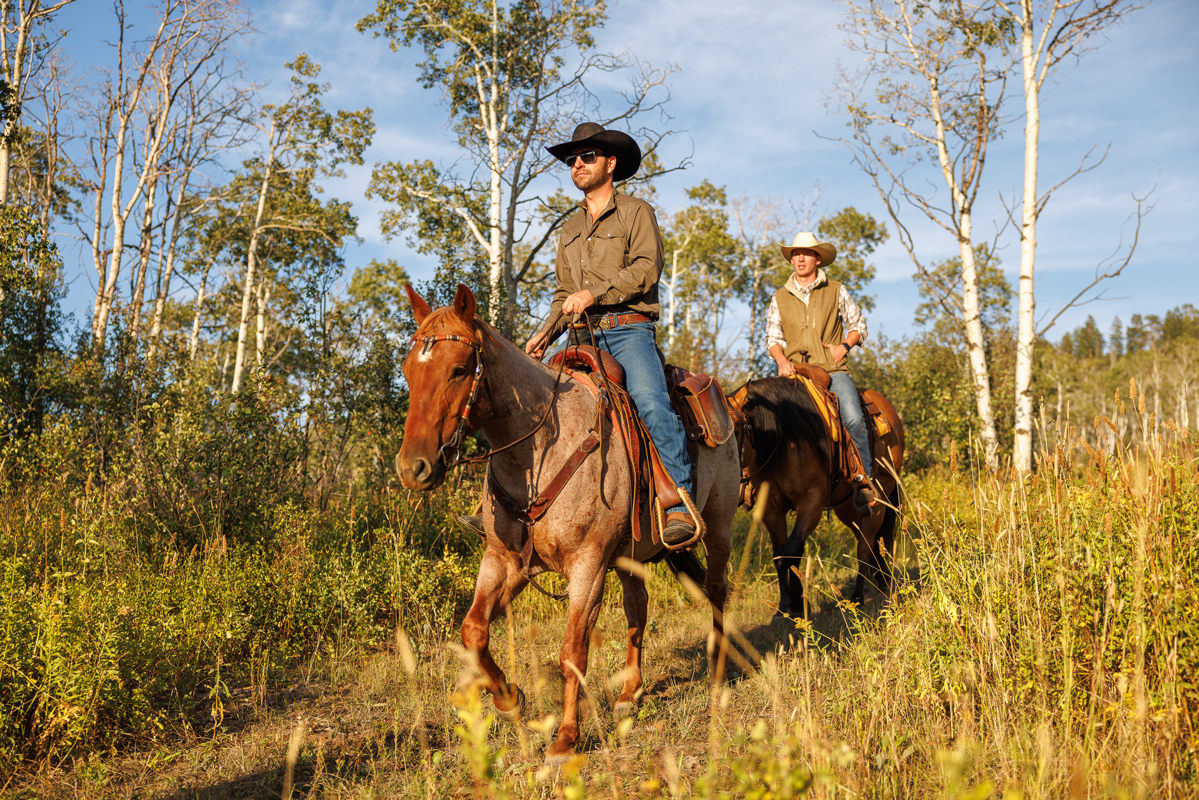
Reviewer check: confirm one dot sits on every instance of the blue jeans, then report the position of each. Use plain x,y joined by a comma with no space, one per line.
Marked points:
635,348
851,415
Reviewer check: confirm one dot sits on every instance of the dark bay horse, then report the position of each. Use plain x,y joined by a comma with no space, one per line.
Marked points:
785,443
463,375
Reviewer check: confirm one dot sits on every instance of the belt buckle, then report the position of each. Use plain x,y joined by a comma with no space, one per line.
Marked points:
605,322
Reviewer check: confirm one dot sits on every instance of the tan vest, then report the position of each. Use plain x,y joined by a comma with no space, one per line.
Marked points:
807,326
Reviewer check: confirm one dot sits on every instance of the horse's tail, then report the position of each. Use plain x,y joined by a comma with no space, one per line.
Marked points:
687,563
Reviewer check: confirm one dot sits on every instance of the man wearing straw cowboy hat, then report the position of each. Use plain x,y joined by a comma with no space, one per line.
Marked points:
814,319
608,264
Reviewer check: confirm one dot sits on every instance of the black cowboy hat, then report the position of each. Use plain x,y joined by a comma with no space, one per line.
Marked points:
613,143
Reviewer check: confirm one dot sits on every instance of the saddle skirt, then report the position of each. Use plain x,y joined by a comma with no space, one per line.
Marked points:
696,398
845,455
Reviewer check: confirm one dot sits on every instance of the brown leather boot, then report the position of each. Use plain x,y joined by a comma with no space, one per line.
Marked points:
865,501
679,528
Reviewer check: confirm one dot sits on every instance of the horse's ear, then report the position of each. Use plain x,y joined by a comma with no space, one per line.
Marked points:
464,303
419,307
737,399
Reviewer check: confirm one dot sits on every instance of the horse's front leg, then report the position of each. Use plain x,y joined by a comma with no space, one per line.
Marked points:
498,584
586,592
807,517
636,608
774,519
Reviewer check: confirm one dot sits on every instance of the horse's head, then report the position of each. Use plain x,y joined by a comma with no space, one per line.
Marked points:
443,370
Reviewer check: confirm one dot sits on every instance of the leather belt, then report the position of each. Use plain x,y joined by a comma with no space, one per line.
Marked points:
608,321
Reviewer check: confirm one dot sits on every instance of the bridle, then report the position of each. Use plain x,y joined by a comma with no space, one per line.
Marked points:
528,515
454,443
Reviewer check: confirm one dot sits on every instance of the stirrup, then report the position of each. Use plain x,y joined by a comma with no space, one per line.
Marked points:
865,501
680,528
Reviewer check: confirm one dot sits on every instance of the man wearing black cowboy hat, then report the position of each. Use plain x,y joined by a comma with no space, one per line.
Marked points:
609,261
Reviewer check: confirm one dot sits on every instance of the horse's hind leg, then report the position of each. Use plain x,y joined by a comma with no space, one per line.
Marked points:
790,590
869,559
886,537
636,605
498,584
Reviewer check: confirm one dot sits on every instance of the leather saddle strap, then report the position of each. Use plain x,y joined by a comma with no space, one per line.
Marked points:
830,411
536,509
541,504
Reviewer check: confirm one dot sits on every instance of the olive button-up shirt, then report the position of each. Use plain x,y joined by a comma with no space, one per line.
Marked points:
617,256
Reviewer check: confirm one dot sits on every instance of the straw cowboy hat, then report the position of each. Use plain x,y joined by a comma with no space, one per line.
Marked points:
805,240
612,143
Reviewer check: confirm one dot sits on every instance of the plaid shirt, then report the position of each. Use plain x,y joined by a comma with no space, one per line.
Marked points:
851,315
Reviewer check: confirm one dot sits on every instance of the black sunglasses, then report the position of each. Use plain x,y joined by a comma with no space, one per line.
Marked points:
587,157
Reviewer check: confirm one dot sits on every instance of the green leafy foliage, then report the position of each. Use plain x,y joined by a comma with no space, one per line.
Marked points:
701,276
30,323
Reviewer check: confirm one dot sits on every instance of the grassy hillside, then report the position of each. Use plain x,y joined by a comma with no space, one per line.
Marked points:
1043,643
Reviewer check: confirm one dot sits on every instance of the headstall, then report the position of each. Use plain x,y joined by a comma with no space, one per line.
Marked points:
455,441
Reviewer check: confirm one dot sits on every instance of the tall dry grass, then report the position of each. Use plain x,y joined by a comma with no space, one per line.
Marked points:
1041,644
1048,648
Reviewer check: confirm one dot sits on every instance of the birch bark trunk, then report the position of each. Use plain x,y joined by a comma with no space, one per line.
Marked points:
127,105
1026,320
976,346
145,250
12,68
194,344
263,297
247,294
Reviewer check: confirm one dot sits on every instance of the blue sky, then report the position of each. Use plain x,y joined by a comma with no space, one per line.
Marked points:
750,96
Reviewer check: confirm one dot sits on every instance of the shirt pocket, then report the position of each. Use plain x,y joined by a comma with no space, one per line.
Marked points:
609,246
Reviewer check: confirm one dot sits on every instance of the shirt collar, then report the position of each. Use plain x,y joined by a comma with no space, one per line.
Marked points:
803,291
611,204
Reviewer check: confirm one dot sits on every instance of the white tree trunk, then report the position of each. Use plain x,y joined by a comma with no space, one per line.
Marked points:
138,299
671,328
1026,319
194,344
976,347
247,293
263,297
13,73
163,290
971,309
491,121
125,106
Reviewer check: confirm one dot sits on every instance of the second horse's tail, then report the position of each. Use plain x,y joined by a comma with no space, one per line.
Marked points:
688,563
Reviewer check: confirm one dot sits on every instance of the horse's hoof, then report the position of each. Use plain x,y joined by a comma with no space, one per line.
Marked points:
558,760
517,712
625,708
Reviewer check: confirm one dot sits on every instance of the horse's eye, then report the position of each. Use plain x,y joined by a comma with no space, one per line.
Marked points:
458,372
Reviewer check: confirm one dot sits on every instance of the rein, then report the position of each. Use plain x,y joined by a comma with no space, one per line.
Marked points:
455,441
529,514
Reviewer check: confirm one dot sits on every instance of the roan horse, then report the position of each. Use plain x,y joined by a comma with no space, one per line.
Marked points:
462,374
784,443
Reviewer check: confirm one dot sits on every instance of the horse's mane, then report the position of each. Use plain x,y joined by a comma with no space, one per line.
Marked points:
444,320
780,410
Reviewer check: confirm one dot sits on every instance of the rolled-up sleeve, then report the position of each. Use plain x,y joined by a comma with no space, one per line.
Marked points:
774,326
852,318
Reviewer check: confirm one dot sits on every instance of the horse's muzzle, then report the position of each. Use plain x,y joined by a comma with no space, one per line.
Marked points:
422,474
